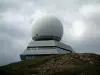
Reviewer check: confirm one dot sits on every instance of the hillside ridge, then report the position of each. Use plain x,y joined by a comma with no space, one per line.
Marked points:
64,64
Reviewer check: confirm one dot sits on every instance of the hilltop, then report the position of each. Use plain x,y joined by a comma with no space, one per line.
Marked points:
65,64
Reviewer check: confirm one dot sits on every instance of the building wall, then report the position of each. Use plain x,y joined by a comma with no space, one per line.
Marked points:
38,49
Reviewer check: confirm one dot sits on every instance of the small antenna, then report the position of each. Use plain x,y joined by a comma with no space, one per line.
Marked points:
36,34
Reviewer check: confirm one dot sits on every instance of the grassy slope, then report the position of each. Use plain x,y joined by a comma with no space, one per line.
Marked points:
67,64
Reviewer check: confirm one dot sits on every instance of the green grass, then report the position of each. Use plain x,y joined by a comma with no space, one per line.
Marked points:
78,64
85,69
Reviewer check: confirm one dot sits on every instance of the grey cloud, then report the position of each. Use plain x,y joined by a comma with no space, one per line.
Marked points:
16,17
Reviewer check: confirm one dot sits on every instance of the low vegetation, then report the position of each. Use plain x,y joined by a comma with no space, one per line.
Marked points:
66,64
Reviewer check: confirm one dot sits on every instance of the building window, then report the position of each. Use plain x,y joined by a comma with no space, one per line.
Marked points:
29,57
61,50
37,48
41,48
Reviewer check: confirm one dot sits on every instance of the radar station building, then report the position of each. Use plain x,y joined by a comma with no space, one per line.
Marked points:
46,35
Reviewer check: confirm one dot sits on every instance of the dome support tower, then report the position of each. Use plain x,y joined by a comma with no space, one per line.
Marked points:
46,34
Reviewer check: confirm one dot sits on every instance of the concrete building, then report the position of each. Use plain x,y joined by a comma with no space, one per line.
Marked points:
46,34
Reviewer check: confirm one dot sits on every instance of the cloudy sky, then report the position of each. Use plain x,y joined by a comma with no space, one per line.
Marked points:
80,19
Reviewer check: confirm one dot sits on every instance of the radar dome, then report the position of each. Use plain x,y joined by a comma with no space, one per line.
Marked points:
47,28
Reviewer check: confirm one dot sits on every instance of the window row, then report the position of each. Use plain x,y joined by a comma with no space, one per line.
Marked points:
33,57
38,48
44,48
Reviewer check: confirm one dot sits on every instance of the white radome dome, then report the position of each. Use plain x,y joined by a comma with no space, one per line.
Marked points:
47,28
